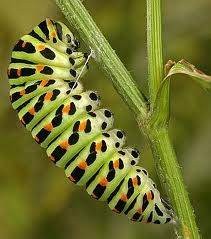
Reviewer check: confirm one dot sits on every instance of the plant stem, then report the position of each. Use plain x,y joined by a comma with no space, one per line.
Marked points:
163,152
157,133
159,107
170,175
154,47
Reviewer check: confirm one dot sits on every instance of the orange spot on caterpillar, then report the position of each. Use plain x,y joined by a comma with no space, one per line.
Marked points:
124,197
103,182
82,165
48,127
32,111
116,164
39,68
53,34
139,210
48,96
149,196
135,181
43,83
40,47
19,72
66,109
82,126
22,92
98,146
64,144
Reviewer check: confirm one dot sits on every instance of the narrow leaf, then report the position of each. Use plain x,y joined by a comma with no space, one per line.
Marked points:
186,68
172,68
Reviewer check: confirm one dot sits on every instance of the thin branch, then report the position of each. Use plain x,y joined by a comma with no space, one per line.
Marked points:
154,47
163,152
171,177
160,109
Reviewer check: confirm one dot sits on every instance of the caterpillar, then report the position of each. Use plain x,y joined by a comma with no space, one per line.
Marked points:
77,135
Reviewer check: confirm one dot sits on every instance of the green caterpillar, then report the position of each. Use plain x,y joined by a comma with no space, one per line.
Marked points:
77,135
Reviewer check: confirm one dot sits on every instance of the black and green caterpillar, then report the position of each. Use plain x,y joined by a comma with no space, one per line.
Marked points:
77,135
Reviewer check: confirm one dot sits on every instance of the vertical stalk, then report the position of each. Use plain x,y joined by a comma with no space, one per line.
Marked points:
154,47
171,178
163,152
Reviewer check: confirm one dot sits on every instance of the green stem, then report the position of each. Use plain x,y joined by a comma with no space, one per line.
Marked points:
78,16
154,47
157,134
160,109
163,152
170,175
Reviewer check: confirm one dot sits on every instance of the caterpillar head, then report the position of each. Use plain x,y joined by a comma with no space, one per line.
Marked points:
66,36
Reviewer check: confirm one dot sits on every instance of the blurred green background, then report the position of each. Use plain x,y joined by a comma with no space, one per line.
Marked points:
36,199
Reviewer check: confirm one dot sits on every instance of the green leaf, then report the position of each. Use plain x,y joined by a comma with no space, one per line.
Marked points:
186,68
159,117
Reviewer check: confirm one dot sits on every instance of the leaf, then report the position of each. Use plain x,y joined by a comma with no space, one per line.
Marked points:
186,68
160,113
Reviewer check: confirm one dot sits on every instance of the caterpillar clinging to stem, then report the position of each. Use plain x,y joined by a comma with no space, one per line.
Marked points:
67,122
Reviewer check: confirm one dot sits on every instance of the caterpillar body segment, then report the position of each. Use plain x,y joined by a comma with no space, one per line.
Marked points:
63,117
94,156
77,136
